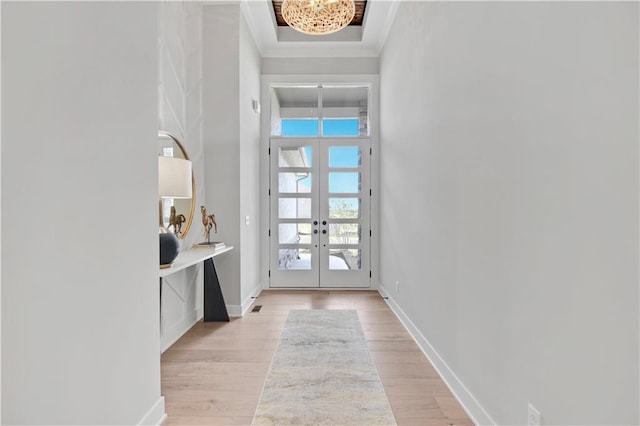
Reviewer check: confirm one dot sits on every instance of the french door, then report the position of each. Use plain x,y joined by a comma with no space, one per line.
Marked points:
320,212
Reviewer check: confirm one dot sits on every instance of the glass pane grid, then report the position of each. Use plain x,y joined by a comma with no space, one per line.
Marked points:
296,111
341,183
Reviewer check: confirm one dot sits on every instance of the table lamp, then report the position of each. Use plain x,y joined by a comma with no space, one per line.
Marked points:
174,181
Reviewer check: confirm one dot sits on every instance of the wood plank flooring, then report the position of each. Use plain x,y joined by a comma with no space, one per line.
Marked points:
215,373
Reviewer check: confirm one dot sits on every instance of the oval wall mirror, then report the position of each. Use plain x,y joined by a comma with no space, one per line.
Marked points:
177,213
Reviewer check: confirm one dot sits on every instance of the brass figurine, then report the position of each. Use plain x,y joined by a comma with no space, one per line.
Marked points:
176,220
208,221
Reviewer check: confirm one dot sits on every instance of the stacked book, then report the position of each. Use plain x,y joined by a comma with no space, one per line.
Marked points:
216,245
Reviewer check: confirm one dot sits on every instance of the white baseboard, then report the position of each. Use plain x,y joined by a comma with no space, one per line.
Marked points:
246,304
156,414
470,404
234,310
240,310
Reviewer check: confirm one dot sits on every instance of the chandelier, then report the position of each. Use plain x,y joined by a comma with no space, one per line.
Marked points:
318,16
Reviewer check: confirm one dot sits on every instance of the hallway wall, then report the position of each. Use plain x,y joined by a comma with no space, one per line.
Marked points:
180,113
509,210
320,66
80,324
249,137
231,78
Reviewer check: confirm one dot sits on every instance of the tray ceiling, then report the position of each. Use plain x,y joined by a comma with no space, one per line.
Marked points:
363,38
361,5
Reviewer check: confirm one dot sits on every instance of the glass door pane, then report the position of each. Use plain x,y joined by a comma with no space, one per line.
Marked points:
294,204
344,212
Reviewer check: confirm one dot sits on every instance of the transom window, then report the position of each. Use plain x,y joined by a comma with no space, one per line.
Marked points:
320,111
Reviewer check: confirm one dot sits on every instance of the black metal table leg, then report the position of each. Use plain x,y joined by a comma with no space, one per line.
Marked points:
214,307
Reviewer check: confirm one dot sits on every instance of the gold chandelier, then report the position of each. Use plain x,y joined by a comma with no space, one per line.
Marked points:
318,16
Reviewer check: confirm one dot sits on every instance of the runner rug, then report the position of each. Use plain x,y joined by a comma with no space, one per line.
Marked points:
323,374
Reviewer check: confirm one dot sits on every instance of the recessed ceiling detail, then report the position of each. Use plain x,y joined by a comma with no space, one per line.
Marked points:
364,38
357,20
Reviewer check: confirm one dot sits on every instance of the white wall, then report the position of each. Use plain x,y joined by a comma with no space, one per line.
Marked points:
180,113
80,325
231,76
317,66
220,103
180,90
510,201
249,68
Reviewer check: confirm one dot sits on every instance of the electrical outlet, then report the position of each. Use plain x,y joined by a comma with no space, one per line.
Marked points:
397,286
534,418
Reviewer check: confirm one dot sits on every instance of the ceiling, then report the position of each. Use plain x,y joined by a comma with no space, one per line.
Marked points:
365,40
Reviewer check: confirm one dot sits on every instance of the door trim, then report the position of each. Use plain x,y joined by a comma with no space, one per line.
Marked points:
317,241
281,80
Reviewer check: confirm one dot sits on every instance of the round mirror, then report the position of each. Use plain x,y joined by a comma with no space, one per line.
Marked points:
177,213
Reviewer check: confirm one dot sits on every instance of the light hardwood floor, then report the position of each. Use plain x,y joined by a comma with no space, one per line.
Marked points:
214,374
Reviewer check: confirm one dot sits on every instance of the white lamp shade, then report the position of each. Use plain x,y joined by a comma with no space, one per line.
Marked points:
174,177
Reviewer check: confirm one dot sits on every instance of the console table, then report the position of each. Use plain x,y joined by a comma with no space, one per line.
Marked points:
215,308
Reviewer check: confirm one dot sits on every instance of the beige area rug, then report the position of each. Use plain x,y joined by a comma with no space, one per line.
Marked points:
323,374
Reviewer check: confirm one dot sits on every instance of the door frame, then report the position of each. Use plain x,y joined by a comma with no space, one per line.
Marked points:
320,275
281,80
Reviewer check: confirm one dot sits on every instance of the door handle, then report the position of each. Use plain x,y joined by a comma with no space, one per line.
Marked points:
324,222
315,223
324,231
315,231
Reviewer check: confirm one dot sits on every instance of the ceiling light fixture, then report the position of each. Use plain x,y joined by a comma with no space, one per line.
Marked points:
318,17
